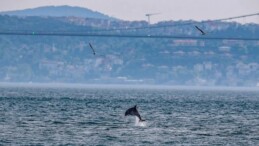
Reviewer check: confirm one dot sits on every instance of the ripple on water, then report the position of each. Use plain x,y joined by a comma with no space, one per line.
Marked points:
47,116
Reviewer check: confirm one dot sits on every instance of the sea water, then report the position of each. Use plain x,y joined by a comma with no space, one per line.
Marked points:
95,116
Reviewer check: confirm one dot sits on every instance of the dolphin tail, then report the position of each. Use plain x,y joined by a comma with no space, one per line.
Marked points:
141,120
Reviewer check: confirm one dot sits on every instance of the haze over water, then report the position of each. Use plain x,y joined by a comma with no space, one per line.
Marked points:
92,116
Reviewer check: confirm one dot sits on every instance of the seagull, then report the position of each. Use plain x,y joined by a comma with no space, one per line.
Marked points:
202,32
92,48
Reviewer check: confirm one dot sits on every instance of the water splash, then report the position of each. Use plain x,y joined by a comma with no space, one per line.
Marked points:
140,123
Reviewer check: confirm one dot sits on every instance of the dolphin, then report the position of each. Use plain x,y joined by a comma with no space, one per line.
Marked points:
133,112
202,32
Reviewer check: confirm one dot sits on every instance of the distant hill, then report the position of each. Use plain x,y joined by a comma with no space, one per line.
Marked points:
59,11
69,59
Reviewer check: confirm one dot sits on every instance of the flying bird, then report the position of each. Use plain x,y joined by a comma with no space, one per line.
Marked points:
133,112
92,48
202,32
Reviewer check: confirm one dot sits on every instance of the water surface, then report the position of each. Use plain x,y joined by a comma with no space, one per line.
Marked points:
92,116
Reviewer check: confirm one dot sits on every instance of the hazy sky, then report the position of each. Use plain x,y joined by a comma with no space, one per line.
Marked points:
168,9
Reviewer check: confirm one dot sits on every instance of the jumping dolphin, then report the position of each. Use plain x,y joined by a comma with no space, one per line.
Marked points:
92,48
133,112
202,32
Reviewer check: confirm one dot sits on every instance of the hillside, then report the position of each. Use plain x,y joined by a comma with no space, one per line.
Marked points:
59,11
128,60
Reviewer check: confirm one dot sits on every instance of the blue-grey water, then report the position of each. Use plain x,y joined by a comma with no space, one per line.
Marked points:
92,116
